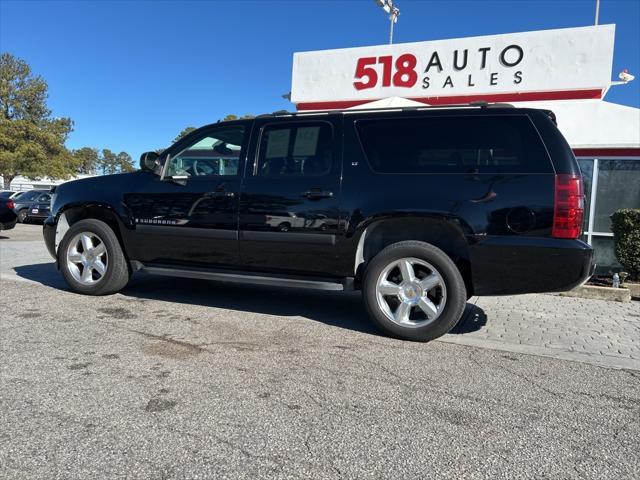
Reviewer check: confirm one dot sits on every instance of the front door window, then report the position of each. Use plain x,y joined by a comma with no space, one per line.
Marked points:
215,154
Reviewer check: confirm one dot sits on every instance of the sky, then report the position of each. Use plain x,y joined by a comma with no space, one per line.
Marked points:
133,74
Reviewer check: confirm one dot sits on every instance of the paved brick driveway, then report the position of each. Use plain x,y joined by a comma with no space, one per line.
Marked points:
592,331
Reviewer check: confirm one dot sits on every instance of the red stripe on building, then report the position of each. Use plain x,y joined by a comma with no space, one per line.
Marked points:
606,152
462,99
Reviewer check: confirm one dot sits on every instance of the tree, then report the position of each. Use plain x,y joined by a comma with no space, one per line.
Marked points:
231,116
31,142
86,159
34,151
125,162
184,133
111,163
108,161
625,225
22,95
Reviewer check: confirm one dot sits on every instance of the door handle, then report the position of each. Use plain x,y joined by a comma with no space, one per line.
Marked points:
315,194
220,194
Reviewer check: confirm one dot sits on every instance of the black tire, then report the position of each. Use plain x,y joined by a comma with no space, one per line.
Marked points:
284,227
117,273
456,297
22,216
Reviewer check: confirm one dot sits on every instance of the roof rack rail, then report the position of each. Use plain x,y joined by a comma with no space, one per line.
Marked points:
485,104
474,104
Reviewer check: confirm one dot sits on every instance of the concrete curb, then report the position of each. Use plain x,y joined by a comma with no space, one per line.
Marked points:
634,288
605,361
600,293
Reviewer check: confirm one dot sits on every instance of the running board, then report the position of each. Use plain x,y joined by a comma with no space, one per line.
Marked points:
247,278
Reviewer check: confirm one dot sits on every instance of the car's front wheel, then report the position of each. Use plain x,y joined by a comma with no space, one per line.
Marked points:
414,291
91,259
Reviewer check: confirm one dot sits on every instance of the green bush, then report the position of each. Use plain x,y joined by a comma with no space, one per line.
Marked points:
625,224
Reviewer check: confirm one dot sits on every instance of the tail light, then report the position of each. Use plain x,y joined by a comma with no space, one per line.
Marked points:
568,207
11,205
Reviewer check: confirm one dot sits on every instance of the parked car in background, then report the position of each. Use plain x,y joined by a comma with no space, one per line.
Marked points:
29,201
8,217
38,212
7,193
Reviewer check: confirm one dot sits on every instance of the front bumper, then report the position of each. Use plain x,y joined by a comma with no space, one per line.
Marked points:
503,265
49,234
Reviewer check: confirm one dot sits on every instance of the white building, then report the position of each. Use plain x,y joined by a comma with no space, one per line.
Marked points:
23,184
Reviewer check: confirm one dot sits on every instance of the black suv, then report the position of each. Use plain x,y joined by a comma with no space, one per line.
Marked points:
419,208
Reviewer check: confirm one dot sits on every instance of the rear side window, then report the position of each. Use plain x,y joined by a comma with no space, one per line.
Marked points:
482,144
303,149
29,196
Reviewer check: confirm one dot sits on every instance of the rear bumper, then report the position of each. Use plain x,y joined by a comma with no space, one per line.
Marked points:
37,216
8,219
512,265
8,225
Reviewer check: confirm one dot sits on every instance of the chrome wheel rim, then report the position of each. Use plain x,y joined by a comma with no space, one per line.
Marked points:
87,258
411,292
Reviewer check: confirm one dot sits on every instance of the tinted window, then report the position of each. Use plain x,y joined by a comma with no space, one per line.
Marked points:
45,197
300,149
29,195
215,153
508,144
615,190
5,194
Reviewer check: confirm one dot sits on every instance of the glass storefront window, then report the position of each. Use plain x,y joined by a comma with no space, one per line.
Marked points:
618,187
586,167
604,255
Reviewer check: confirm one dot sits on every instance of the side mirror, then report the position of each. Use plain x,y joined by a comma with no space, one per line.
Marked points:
150,161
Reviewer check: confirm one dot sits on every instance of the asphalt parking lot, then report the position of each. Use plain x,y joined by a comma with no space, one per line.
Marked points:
192,379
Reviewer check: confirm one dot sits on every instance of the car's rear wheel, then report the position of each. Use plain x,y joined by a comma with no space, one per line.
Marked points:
413,290
91,259
22,216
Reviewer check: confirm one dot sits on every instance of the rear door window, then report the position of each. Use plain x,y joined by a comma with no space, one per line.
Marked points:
28,196
300,149
454,144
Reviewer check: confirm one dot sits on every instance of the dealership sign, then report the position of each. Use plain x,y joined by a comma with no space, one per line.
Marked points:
548,64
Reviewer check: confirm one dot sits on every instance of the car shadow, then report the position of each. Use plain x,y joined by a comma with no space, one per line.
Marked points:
43,273
473,319
339,309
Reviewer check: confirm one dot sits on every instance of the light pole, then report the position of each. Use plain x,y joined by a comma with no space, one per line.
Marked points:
394,13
